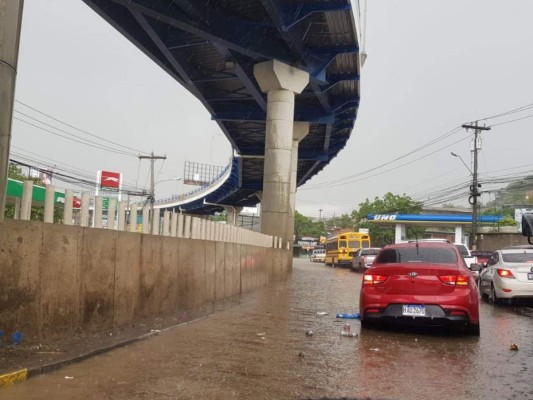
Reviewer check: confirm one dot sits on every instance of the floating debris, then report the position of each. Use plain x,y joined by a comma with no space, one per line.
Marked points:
513,347
309,333
349,316
349,334
321,313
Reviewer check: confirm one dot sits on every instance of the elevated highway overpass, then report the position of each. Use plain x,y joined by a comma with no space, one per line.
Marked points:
237,57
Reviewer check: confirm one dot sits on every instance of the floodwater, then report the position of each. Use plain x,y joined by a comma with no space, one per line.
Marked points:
256,347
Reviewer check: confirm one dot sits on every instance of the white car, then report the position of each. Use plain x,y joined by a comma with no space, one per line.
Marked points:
508,275
318,255
363,258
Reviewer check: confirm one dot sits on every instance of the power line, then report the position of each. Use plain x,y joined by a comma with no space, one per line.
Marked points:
81,141
72,179
349,180
513,120
513,111
76,128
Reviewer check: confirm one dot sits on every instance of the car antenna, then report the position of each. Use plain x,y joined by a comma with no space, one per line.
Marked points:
416,239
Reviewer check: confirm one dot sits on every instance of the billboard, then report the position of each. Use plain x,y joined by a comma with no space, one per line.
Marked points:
110,180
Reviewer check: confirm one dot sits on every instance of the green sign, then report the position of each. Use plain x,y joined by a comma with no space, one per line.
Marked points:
15,189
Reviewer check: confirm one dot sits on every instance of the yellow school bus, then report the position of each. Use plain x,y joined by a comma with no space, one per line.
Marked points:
340,248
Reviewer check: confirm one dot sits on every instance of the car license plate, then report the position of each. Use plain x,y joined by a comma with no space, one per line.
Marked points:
530,276
414,310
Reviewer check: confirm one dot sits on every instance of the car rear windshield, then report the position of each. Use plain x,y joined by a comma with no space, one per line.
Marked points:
463,250
518,257
370,252
432,255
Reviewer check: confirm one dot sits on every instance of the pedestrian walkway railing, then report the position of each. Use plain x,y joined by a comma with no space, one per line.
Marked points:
122,216
198,192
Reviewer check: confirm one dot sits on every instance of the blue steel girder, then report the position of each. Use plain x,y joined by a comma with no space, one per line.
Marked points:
211,46
254,40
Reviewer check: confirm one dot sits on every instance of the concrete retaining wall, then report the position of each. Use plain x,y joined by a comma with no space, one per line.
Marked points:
497,240
58,279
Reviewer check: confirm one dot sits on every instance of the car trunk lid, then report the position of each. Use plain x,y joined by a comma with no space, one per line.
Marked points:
416,279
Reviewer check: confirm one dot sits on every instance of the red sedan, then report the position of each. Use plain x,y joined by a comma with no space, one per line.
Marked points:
420,283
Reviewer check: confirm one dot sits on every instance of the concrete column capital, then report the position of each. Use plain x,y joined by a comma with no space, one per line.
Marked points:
300,130
275,75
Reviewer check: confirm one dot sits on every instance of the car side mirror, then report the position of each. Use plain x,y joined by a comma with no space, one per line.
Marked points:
527,226
475,267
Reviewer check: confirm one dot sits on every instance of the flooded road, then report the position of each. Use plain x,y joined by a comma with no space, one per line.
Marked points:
257,348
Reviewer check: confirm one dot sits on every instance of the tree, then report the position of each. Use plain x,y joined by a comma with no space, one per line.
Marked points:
37,213
389,204
305,226
515,193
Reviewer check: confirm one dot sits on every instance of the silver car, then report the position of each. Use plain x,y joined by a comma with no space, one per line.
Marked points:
362,259
508,275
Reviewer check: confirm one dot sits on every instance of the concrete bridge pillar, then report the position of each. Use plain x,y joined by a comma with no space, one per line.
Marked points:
300,131
232,213
280,82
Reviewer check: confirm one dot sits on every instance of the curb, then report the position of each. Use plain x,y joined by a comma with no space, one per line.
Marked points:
11,378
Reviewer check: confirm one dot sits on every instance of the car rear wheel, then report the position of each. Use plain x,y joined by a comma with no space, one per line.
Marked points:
483,295
493,297
473,329
365,324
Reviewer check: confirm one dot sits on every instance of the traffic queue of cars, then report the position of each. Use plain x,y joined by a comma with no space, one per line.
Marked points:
438,283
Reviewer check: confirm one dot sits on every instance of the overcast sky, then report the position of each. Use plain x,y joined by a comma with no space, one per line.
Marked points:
432,66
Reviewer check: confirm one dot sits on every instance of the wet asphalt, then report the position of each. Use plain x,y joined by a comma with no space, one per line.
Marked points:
258,346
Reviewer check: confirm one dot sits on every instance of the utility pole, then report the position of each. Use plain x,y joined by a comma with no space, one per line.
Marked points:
152,159
474,192
10,23
320,215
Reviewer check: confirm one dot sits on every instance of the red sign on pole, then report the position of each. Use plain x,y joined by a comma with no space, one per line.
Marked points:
110,180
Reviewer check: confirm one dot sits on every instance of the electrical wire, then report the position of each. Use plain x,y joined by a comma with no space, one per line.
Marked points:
351,179
81,141
513,111
76,128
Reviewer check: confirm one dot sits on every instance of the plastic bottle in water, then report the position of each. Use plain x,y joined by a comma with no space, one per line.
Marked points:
346,327
349,334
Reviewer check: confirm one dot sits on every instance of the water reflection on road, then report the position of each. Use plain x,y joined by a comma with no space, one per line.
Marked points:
257,347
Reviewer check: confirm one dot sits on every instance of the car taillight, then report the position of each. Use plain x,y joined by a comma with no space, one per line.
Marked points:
454,280
369,279
505,273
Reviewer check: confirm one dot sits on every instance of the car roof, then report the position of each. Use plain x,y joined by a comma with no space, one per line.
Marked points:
421,244
429,240
520,246
518,250
371,248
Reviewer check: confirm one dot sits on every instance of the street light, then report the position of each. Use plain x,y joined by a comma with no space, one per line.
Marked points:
459,157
